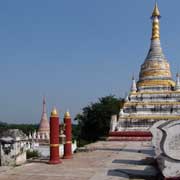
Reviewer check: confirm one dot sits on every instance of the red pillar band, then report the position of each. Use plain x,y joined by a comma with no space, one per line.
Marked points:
68,133
54,138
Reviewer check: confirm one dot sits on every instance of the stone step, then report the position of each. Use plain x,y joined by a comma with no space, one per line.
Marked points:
112,138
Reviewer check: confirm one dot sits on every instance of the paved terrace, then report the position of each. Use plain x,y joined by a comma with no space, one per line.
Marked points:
101,161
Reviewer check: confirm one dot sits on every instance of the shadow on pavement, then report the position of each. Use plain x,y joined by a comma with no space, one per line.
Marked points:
148,173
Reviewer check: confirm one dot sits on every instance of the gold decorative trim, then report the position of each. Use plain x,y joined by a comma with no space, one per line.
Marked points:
67,115
153,117
155,65
68,142
156,73
155,30
156,83
54,113
54,145
155,92
151,103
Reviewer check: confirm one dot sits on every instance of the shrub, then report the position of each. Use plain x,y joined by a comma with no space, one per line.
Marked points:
32,154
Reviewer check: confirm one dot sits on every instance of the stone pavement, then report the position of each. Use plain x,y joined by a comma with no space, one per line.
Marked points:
100,161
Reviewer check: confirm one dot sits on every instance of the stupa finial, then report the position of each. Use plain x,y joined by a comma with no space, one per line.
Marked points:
44,104
155,24
156,12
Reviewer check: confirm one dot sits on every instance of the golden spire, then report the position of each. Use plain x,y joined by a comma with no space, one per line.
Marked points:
67,115
156,11
155,24
54,113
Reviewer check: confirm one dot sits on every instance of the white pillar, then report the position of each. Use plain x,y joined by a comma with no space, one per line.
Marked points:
113,123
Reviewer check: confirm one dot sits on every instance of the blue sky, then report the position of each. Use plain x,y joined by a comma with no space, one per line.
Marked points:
74,51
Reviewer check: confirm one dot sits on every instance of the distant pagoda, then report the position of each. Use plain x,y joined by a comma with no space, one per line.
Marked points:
43,130
155,96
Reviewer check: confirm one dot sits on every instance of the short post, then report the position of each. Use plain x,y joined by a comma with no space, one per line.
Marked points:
54,138
68,134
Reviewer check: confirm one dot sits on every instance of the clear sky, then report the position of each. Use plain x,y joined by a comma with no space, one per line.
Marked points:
74,51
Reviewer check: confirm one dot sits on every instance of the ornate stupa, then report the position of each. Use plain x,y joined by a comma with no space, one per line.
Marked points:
155,96
43,130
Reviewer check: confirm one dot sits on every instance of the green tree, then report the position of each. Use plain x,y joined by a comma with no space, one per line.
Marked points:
94,121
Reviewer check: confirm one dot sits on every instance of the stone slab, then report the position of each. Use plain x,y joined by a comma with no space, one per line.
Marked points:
166,138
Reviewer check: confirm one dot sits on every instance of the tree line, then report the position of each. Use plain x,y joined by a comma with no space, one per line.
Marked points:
26,128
